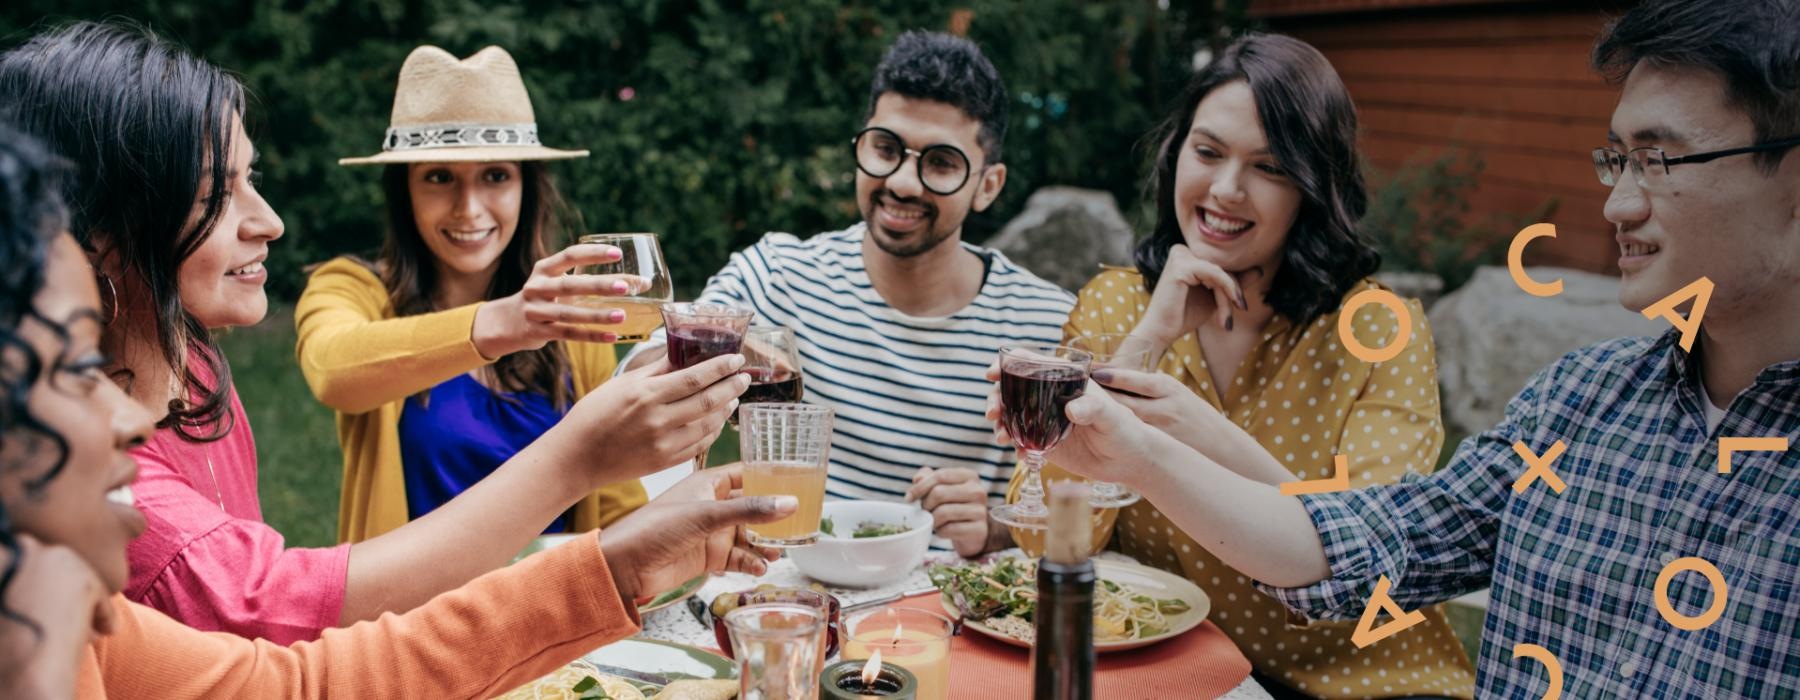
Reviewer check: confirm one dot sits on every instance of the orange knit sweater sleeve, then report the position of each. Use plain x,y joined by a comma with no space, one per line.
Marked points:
486,638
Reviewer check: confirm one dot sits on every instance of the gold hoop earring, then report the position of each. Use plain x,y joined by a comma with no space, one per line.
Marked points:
109,298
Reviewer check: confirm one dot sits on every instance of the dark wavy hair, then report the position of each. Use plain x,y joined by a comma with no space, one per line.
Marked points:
1310,123
1738,40
948,69
147,123
407,271
31,215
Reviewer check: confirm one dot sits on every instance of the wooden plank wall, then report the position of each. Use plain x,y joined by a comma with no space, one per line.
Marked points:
1510,82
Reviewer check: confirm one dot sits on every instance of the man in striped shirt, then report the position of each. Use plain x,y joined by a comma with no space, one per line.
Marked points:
897,318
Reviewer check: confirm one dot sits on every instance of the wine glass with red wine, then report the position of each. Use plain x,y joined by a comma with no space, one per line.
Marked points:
772,359
699,332
1036,383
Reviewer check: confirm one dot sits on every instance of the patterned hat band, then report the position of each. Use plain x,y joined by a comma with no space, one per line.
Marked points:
412,138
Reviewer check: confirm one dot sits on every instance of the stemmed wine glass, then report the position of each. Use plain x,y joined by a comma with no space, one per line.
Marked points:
772,359
640,257
1036,383
699,332
1115,351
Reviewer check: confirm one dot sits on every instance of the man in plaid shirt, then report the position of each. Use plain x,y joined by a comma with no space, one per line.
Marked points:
1705,183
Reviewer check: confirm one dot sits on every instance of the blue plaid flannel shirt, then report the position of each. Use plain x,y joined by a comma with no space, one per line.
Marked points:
1574,572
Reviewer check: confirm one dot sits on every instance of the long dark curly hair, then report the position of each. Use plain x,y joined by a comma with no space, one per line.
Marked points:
1310,122
148,123
31,214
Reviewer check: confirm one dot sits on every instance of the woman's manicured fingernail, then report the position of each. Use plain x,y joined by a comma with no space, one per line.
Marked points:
620,287
1103,375
615,254
1228,321
1243,302
616,316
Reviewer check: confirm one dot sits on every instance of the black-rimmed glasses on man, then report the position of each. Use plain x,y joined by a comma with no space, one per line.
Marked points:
1649,164
943,168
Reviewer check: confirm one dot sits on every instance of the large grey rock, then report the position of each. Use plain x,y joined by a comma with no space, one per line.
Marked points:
1492,336
1065,233
1424,286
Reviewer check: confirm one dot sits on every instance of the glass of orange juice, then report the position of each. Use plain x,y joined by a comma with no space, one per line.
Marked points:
640,257
784,447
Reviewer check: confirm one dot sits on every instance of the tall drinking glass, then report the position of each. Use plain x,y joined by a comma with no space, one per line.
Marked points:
785,448
772,359
776,646
642,258
700,332
1115,351
1036,383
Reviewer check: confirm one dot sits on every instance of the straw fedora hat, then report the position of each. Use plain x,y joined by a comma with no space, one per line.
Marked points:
447,110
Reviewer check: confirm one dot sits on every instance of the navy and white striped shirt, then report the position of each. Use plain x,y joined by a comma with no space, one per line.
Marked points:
908,391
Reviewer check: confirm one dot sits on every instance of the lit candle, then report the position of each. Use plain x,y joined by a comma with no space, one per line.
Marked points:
917,641
857,680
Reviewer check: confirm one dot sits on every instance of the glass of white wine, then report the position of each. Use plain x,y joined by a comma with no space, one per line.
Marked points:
640,256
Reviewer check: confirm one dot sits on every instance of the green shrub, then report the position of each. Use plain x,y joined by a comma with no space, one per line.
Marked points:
1419,217
710,122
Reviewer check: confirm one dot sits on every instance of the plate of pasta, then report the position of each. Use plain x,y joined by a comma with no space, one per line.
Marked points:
1134,605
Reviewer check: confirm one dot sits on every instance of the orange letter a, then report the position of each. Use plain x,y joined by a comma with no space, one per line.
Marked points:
1366,633
1701,292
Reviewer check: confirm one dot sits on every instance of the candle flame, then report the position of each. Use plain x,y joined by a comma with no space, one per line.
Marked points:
873,668
896,640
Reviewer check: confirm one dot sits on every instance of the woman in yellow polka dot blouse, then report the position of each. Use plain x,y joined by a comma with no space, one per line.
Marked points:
1254,252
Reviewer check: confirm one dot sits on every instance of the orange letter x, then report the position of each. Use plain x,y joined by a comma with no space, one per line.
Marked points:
1539,467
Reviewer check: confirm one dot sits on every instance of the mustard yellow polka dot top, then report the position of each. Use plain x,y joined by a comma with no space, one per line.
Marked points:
1306,399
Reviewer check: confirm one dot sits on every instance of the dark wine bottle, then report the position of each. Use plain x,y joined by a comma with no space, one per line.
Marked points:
1062,661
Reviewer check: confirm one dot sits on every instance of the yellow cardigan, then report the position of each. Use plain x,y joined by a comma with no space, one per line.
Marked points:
363,362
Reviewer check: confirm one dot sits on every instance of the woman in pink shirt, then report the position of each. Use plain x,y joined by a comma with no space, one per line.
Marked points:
166,206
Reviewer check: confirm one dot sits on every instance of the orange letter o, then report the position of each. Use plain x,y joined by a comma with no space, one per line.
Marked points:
1347,329
1705,568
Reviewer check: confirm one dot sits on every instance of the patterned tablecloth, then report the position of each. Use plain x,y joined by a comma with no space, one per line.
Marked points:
677,624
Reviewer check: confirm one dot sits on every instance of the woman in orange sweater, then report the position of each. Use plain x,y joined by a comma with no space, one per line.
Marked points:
66,515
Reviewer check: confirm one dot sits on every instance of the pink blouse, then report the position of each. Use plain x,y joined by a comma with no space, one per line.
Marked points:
208,559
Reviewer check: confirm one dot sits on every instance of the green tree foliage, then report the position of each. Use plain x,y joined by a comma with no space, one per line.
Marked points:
710,121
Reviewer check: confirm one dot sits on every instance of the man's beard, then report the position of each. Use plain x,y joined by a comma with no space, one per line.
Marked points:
918,242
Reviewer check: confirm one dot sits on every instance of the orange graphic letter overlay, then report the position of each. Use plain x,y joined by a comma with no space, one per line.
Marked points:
1539,467
1728,445
1366,633
1701,292
1347,319
1550,663
1332,484
1713,577
1515,262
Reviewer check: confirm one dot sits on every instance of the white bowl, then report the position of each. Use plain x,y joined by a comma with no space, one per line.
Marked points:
872,561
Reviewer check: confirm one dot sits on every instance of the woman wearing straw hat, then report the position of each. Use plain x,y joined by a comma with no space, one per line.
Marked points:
167,205
451,353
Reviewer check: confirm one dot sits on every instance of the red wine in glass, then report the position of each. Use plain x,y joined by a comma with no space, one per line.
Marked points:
1032,398
787,389
692,345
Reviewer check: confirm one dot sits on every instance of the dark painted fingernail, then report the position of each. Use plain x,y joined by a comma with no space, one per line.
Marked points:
1228,321
1243,303
1103,375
